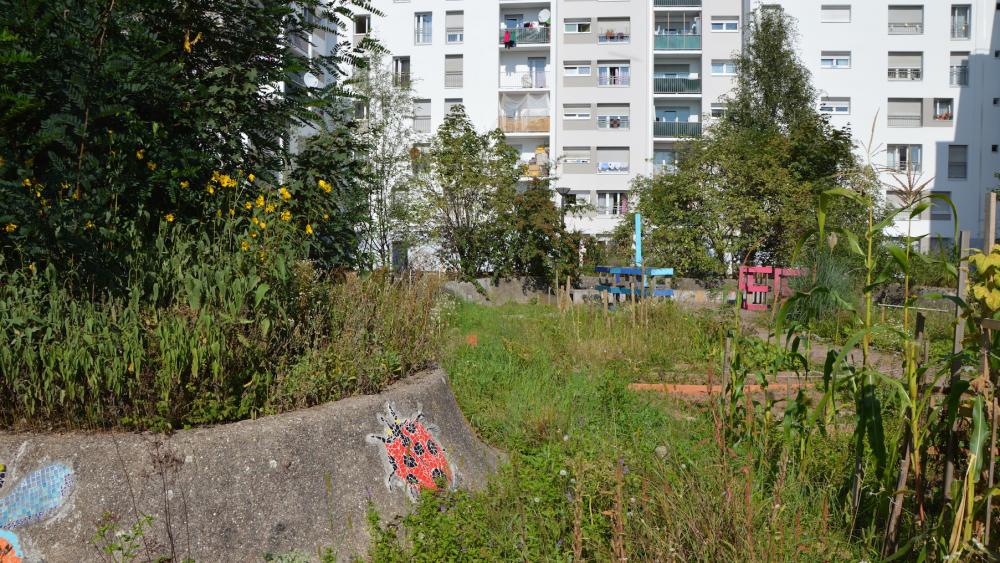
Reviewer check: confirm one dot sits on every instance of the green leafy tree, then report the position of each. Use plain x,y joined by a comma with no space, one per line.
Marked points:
745,190
115,115
538,244
468,179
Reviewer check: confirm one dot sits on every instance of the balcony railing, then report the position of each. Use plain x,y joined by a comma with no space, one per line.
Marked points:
453,79
614,80
401,79
422,37
677,3
422,123
455,34
529,80
535,170
613,122
906,28
959,76
676,129
905,121
960,31
677,85
528,35
689,42
614,37
907,73
904,167
534,124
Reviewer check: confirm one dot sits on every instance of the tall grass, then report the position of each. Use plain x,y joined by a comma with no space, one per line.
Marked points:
205,334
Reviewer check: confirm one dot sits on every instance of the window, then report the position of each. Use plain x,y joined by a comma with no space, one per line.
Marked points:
723,68
614,30
453,67
665,160
944,109
835,59
360,110
362,24
576,155
612,116
422,116
835,13
401,71
454,27
577,26
725,23
961,19
612,203
959,75
835,106
904,158
451,103
576,111
905,112
958,162
612,74
717,110
906,66
422,26
577,70
906,20
612,160
940,210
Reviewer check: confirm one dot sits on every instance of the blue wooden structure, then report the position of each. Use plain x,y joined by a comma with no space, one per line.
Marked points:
637,281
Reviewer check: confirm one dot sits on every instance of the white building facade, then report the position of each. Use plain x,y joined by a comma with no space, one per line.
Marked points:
596,92
926,75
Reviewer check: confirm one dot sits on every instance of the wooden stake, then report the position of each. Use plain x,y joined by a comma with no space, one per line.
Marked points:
990,228
965,238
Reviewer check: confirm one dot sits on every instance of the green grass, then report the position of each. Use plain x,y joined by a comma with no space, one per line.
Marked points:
584,479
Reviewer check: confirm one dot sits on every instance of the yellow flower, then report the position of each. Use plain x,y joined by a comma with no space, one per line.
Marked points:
185,184
260,201
188,42
263,225
255,220
253,234
218,212
32,267
89,225
269,208
26,182
140,154
226,181
170,217
151,165
215,175
248,205
245,246
309,229
210,189
284,193
286,216
251,178
232,212
10,228
326,216
325,186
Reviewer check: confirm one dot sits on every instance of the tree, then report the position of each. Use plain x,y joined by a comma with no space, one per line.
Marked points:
538,244
388,110
115,115
469,178
745,190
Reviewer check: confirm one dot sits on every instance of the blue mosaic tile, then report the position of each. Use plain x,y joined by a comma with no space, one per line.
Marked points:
36,496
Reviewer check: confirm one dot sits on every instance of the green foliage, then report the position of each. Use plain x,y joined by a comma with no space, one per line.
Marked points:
205,333
114,115
538,244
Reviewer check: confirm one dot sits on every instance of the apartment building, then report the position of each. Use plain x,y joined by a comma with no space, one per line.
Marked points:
926,75
591,92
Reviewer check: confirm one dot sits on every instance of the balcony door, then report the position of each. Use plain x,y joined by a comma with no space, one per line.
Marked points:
673,115
536,71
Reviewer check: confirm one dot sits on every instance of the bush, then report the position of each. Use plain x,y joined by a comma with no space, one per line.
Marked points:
210,329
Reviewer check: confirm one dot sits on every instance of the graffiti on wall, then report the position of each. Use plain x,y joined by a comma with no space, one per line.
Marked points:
31,500
414,458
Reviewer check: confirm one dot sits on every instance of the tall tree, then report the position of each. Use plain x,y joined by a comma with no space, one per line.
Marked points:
469,178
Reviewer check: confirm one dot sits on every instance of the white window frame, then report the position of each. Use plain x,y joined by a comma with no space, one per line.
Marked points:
836,60
624,70
725,24
728,68
604,122
835,106
575,25
578,70
581,113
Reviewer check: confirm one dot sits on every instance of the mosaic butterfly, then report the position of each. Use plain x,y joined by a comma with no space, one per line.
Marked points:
31,500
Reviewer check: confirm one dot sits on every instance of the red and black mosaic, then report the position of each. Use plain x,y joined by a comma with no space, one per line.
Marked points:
414,458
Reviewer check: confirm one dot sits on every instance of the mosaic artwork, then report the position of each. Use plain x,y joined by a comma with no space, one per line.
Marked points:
414,458
32,499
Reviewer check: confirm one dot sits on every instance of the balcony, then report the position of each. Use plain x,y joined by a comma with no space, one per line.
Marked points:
677,3
527,80
526,124
676,85
676,129
422,123
401,79
534,170
612,36
528,35
960,31
906,74
689,42
906,28
905,121
453,79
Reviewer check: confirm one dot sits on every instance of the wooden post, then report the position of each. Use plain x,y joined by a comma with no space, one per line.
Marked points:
990,226
965,241
569,299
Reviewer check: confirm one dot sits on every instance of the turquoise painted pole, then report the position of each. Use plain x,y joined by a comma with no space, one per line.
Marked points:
638,240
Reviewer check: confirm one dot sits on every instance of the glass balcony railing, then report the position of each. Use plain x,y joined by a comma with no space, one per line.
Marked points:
528,35
532,124
677,85
677,3
676,42
675,129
